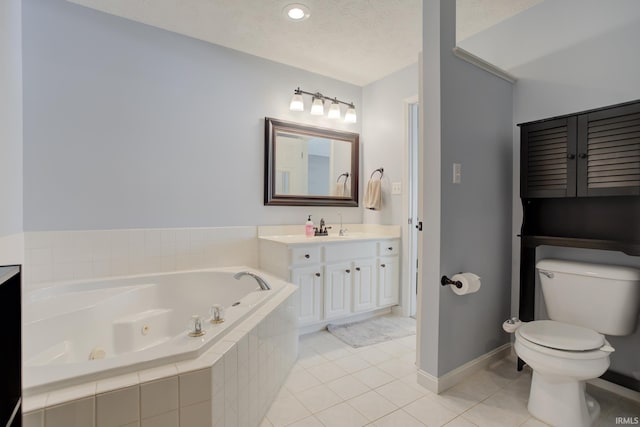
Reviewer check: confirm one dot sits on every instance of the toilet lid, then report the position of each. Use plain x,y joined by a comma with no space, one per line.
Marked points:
561,336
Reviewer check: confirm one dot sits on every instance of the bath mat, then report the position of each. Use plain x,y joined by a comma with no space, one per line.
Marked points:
372,331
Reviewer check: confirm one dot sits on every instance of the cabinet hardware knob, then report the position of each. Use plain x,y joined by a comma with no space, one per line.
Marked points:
390,248
571,156
317,274
348,271
357,268
382,265
307,256
582,155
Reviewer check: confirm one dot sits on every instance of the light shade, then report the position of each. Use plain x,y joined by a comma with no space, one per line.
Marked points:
350,115
334,111
317,108
297,103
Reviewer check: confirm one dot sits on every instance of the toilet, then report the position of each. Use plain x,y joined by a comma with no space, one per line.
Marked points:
584,302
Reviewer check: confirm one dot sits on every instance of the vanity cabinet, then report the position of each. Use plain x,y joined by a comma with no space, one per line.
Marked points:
337,278
593,153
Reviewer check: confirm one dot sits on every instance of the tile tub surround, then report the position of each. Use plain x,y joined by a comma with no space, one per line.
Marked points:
232,384
53,256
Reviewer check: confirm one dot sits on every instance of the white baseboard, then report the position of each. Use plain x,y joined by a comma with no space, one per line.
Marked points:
448,380
616,389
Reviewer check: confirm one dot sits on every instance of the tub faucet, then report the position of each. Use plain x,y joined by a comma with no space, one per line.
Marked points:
263,285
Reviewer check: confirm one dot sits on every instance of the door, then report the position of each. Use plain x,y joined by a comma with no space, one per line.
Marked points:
364,285
548,158
309,282
609,152
388,278
337,290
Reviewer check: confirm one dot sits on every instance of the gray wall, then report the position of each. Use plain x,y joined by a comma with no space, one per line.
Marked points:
384,131
10,119
126,125
560,83
475,216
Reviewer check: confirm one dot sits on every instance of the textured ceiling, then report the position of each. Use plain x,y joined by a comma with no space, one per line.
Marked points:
356,41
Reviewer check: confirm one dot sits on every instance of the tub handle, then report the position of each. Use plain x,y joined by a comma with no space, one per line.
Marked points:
195,326
217,313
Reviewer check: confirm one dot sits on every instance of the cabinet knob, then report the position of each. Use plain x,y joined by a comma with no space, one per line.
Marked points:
382,265
317,274
571,156
307,256
348,271
357,268
390,248
582,155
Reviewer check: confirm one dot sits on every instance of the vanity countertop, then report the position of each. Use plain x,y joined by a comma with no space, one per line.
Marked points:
301,239
292,234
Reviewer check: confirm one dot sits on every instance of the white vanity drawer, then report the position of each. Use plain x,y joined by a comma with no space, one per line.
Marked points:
305,255
389,247
347,251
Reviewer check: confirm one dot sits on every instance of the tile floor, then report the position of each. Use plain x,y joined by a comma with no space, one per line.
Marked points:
335,385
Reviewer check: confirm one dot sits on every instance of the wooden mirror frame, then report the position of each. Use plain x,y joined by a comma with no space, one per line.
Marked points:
271,127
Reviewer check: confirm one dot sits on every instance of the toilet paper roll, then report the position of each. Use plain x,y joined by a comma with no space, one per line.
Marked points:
470,283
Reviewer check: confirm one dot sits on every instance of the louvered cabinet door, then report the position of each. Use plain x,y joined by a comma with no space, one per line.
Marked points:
609,152
548,158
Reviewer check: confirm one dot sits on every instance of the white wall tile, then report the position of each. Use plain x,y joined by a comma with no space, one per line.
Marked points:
158,397
198,415
168,419
79,413
33,419
118,407
195,387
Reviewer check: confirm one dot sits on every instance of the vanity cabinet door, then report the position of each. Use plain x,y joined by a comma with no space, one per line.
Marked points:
337,290
309,282
388,280
364,285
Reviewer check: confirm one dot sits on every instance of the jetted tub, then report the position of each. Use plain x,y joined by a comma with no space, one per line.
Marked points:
83,331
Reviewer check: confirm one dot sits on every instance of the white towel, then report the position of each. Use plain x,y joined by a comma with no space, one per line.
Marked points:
341,189
373,195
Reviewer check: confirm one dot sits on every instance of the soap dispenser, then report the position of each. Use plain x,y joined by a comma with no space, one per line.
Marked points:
308,227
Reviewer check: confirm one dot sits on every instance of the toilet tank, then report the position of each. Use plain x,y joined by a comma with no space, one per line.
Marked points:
605,298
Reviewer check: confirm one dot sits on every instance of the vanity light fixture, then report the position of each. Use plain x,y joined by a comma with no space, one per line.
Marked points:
317,106
334,110
296,12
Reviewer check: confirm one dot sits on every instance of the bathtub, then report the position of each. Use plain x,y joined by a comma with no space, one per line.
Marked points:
86,331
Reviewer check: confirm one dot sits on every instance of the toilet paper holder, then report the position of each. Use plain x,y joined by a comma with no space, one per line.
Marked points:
445,281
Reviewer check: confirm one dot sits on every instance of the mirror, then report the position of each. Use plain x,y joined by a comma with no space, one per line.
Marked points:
309,166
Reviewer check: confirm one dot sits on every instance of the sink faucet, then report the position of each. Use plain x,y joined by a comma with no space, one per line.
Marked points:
342,231
263,284
322,231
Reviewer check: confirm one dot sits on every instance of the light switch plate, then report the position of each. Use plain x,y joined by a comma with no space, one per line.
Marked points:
396,188
457,173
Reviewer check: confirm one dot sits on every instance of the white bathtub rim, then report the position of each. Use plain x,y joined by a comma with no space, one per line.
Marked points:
35,401
41,379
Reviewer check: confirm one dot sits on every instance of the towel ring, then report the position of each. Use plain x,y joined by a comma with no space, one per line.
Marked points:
381,170
346,176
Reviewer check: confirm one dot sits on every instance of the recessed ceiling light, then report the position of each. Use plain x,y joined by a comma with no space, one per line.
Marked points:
296,12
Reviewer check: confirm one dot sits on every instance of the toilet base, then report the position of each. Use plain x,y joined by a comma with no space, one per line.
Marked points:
561,402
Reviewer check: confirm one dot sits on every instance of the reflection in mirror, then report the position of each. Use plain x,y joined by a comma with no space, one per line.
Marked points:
308,165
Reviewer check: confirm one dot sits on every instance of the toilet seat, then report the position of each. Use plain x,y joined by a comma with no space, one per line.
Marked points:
561,336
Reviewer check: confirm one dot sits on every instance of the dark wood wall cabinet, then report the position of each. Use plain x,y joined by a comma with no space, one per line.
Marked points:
580,187
594,153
